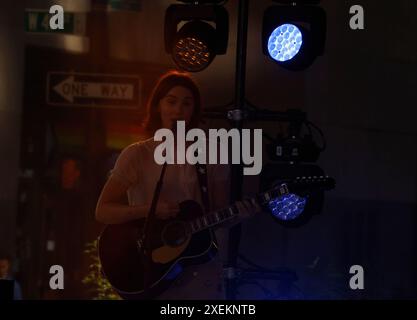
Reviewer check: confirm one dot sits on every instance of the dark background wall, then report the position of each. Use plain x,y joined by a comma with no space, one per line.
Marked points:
11,88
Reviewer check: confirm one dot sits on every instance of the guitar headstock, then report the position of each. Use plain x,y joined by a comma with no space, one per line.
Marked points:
311,183
288,199
299,185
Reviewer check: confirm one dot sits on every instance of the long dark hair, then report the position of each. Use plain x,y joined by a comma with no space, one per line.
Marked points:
165,83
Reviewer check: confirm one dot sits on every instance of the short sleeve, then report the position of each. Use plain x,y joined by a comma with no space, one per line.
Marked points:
127,167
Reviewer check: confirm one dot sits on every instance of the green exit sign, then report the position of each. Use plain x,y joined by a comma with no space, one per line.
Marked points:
37,21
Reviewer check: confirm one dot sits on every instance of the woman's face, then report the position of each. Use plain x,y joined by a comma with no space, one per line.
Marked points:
178,104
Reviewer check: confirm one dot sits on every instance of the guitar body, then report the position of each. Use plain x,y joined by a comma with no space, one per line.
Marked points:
173,249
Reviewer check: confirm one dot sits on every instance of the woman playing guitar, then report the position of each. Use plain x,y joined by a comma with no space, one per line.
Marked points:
175,97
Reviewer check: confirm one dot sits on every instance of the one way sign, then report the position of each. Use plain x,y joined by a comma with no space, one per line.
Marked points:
93,90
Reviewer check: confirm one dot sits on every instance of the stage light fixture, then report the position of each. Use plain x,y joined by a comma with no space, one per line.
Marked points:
297,207
203,35
193,46
293,35
287,207
285,42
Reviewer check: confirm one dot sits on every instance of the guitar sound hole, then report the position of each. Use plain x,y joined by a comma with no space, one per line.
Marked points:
174,234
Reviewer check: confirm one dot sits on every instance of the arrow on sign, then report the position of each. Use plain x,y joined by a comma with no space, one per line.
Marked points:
70,89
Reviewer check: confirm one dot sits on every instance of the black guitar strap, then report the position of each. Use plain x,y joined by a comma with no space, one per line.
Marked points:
201,170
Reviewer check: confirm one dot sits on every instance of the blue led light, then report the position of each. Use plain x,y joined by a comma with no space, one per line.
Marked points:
285,42
287,207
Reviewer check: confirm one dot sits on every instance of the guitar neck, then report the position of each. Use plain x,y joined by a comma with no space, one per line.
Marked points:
223,215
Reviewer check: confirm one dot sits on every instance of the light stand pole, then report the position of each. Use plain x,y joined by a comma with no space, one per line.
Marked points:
237,117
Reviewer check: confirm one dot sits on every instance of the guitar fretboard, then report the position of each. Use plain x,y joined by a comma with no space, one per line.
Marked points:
223,215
